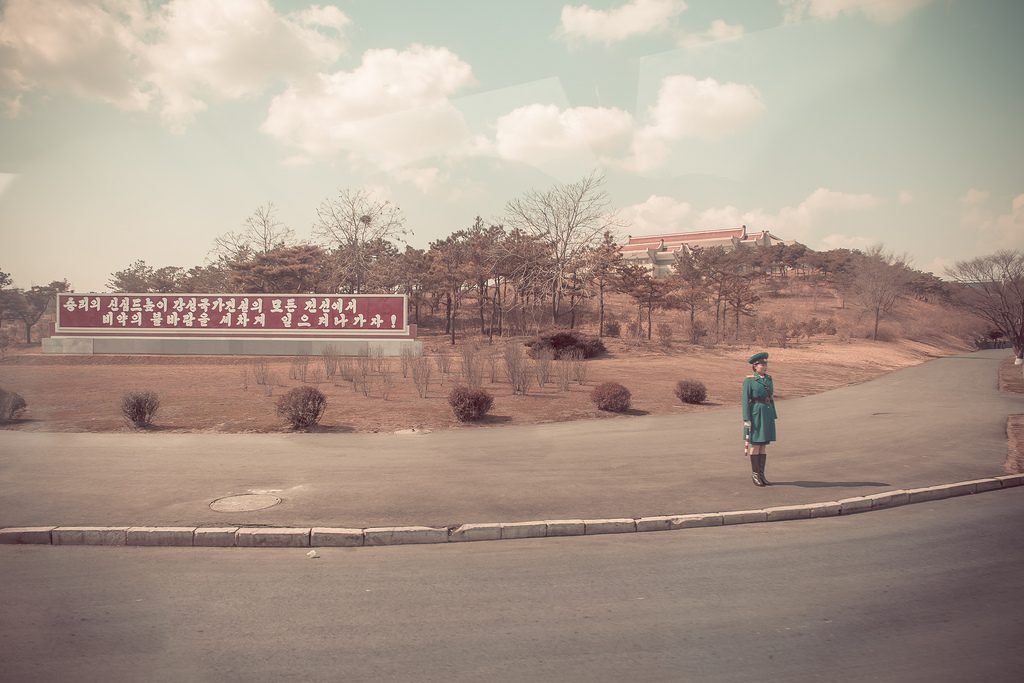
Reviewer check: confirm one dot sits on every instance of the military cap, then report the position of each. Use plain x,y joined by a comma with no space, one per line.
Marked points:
758,358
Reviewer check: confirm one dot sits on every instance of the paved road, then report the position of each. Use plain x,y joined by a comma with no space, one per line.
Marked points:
939,422
929,592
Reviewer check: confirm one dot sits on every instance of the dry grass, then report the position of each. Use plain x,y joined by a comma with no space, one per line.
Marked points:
68,393
209,394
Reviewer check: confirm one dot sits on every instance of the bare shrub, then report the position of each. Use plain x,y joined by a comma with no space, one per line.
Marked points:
361,374
406,357
542,366
472,365
664,332
346,369
611,396
492,365
387,383
612,328
579,367
12,405
691,391
316,376
260,370
329,360
444,363
298,368
379,360
245,378
698,332
469,404
515,368
139,407
421,375
302,407
564,374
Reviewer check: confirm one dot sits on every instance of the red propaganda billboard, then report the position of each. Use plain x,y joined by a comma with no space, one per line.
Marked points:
260,315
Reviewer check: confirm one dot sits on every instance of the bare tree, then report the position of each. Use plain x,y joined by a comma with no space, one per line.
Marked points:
993,287
604,260
352,222
262,233
879,282
569,219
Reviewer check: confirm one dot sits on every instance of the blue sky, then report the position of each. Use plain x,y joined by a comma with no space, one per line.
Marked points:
143,130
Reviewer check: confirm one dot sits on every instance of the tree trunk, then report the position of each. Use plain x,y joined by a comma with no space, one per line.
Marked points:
650,318
483,296
600,310
447,312
878,314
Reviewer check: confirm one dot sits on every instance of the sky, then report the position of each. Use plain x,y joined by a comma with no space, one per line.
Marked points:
133,129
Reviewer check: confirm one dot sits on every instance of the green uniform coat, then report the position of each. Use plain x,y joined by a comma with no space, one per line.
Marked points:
760,415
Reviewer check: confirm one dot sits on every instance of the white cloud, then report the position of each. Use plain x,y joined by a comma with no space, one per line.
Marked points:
882,11
655,215
177,56
659,214
686,108
6,179
425,179
635,18
791,222
540,133
391,110
974,197
89,49
695,108
718,32
993,230
837,241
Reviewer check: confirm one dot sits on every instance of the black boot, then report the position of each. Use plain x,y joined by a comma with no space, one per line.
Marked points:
762,460
755,470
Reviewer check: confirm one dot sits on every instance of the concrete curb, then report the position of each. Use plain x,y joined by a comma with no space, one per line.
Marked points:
323,537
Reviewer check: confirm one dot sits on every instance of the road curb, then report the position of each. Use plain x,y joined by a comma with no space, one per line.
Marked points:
322,537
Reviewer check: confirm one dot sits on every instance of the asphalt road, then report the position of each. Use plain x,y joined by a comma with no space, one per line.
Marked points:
928,592
935,423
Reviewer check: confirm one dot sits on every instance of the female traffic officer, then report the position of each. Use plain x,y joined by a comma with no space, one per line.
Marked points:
759,415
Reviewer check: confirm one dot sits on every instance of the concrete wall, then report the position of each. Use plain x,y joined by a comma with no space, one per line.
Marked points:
224,347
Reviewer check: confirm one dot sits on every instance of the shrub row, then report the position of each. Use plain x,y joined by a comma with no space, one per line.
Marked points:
302,407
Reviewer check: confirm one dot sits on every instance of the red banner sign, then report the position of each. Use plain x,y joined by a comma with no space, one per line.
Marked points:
233,314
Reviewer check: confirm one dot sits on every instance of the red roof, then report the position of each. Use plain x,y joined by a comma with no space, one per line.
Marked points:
678,238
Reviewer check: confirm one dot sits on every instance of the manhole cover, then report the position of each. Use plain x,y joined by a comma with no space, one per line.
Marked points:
244,503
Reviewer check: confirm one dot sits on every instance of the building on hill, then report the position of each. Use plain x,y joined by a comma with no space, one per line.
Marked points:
659,253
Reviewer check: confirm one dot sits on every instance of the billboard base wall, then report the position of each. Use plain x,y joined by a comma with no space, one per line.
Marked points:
225,347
